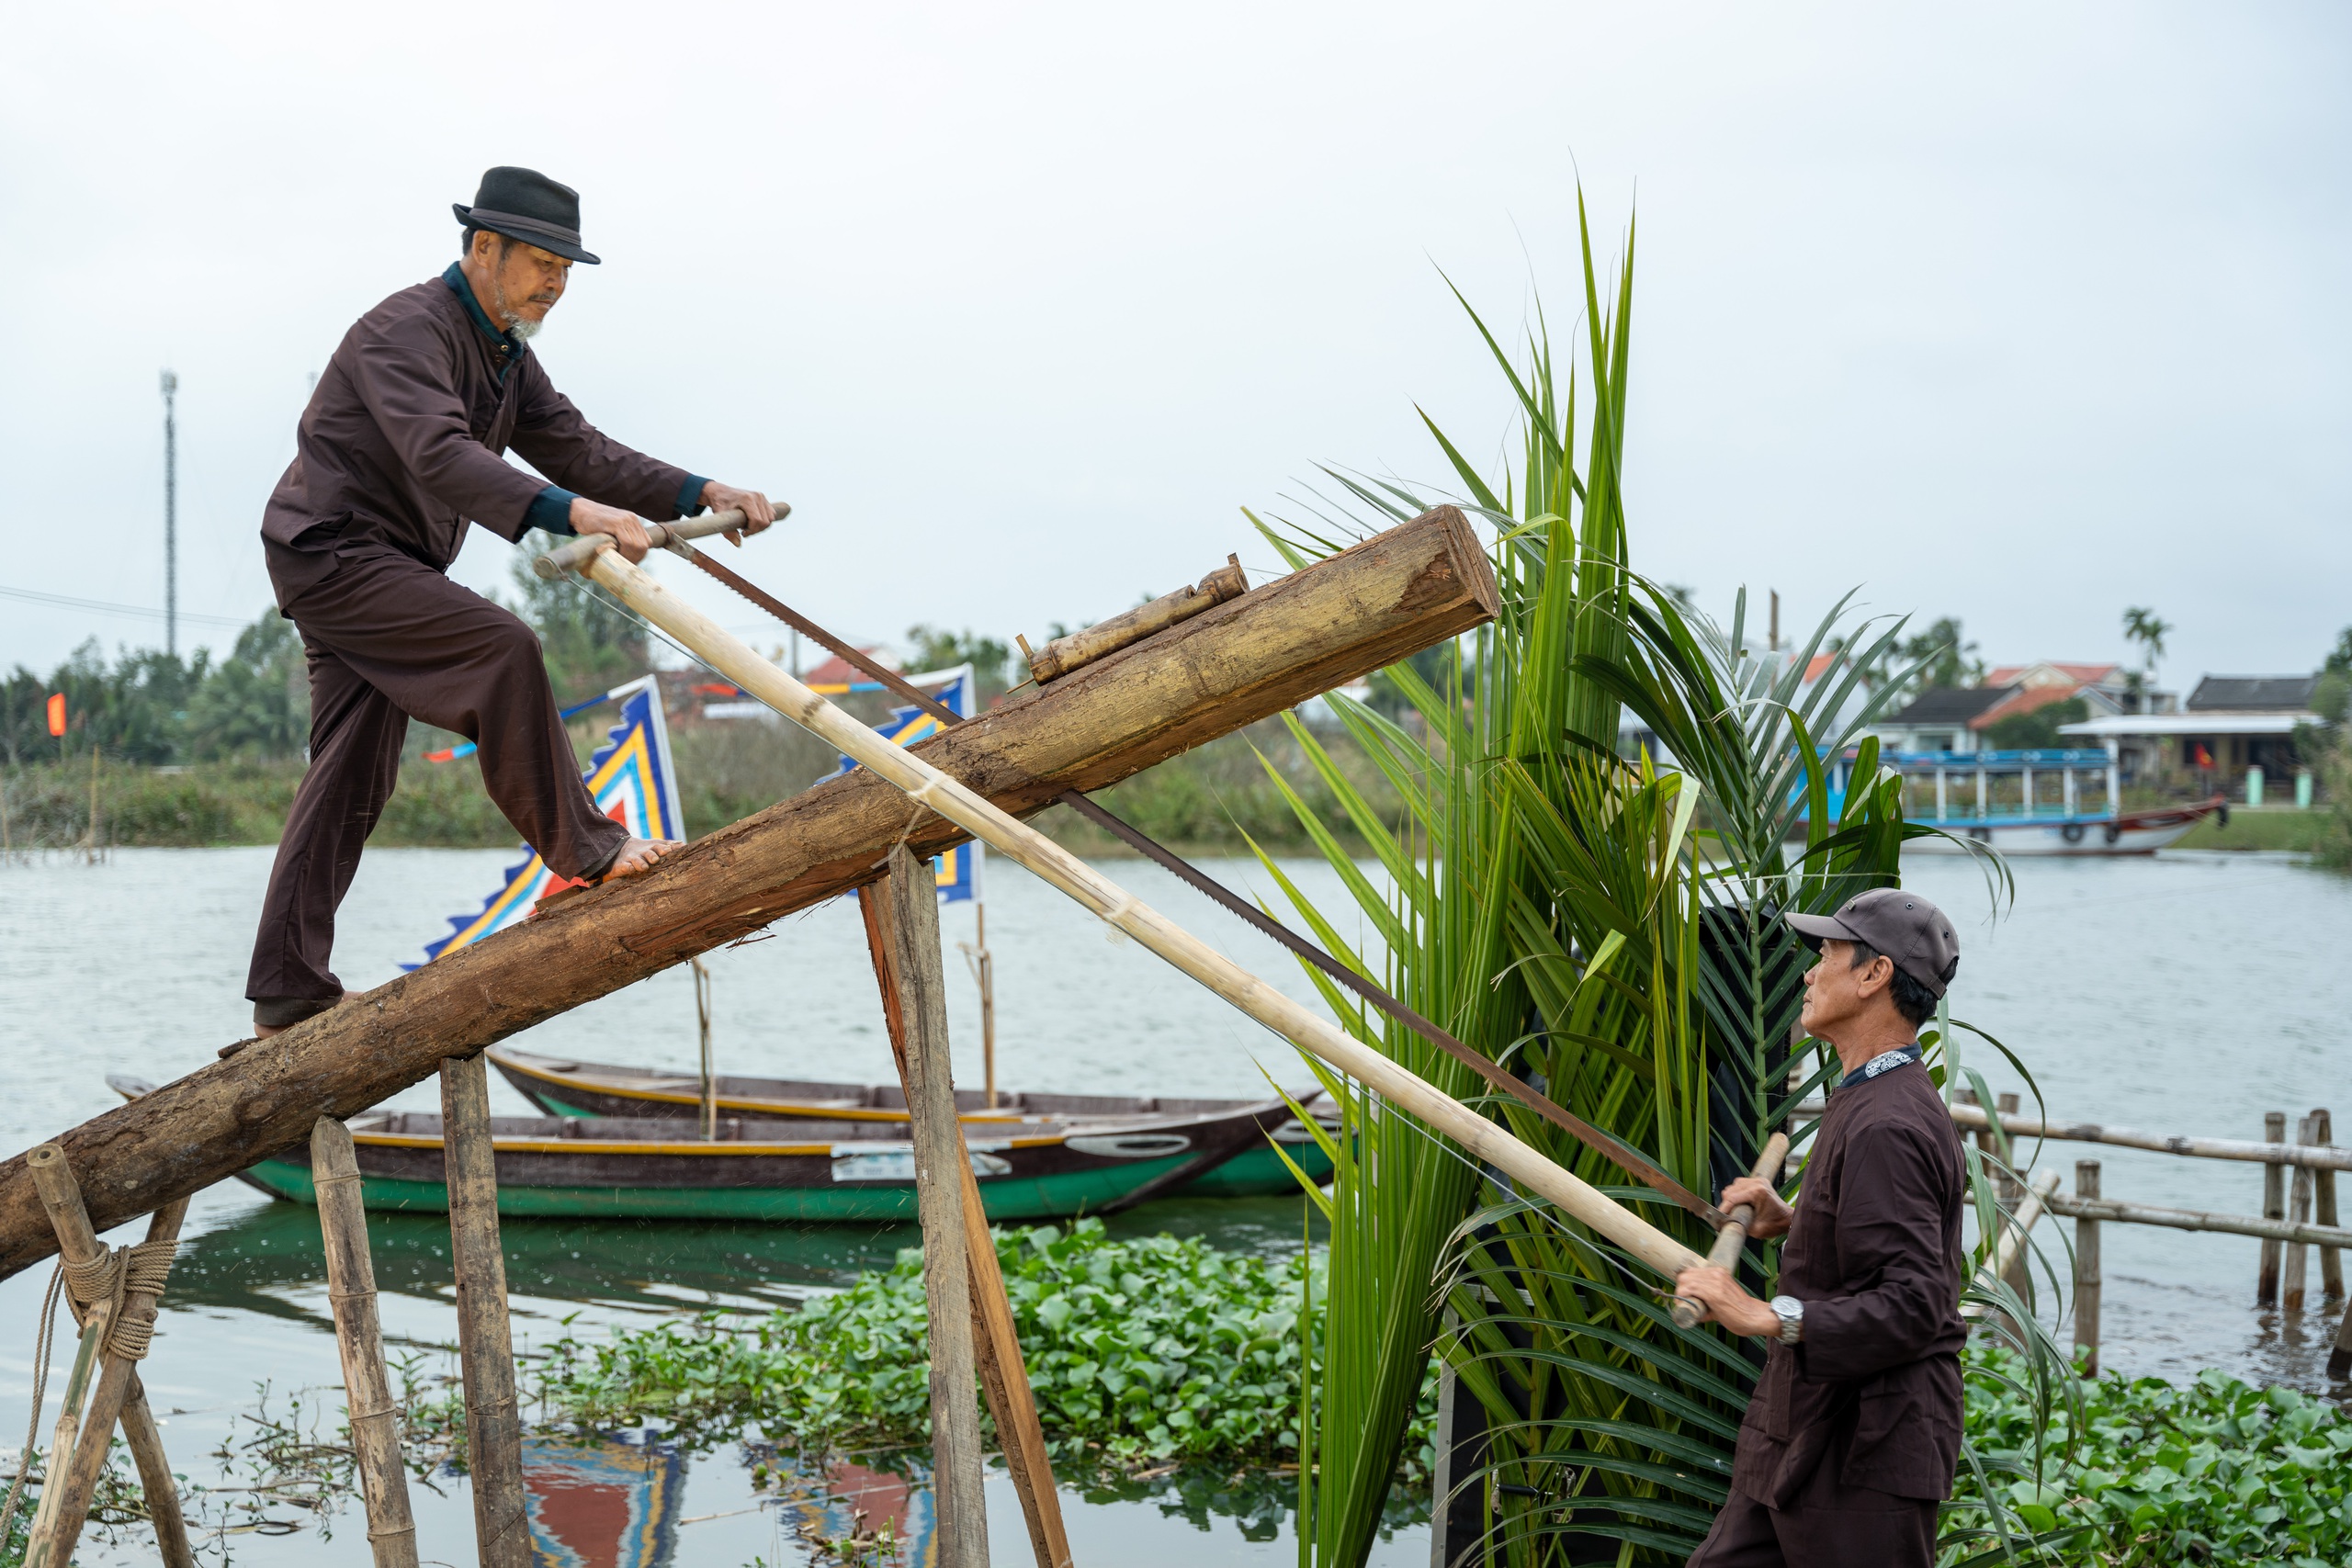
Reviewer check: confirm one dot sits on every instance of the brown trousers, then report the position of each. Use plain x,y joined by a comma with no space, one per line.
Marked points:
387,639
1827,1526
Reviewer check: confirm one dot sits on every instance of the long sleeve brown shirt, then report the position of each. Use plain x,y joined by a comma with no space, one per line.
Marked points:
1875,1257
404,439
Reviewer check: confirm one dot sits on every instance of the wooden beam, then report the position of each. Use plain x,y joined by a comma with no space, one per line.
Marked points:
1005,1374
1395,593
485,1337
375,1420
958,1504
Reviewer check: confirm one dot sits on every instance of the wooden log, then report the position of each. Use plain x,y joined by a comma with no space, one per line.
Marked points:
109,1392
360,1340
2331,1258
1005,1374
1732,1237
2198,1220
1271,648
2012,1193
958,1502
78,1243
2274,1207
1079,648
927,788
2299,1210
485,1337
2088,1279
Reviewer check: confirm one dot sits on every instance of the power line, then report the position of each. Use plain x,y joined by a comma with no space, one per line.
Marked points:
65,602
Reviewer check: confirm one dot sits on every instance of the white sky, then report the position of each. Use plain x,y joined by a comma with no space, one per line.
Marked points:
2018,312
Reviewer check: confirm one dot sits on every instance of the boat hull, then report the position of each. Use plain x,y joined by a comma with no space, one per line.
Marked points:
808,1172
2136,833
564,1087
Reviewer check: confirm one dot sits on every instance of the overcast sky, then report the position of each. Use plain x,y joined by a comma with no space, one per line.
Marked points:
2021,313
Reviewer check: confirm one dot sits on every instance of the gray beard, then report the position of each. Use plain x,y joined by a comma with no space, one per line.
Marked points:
525,330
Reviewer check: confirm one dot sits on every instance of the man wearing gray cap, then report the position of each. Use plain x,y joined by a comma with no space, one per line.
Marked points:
1851,1437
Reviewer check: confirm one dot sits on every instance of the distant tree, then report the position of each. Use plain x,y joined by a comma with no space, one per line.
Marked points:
256,705
1433,665
2037,730
589,646
1951,660
2145,627
993,662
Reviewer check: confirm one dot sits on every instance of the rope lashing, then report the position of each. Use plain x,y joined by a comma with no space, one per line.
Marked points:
143,1266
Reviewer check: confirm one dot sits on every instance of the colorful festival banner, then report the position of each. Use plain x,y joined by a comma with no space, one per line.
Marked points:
634,783
958,871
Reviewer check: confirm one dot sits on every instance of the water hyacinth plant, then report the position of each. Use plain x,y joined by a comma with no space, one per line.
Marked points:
1607,925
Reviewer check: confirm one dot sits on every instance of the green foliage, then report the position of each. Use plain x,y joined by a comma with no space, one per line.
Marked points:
992,661
588,644
1941,655
1145,1350
2037,731
2217,1472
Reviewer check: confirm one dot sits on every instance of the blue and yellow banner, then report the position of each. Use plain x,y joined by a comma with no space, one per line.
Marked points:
634,783
957,871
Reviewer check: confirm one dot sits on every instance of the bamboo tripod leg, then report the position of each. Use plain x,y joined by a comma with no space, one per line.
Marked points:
359,1339
485,1340
957,1500
1004,1377
77,1242
116,1373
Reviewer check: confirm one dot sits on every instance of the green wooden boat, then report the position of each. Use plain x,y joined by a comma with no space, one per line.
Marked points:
562,1086
795,1171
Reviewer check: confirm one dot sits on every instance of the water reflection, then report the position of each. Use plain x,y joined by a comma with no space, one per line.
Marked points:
607,1502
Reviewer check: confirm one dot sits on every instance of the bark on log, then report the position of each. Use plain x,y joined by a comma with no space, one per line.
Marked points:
485,1337
1295,638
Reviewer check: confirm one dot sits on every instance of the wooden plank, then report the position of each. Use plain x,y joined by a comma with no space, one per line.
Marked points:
2274,1208
1004,1377
1397,592
485,1337
2331,1258
2198,1220
2299,1212
2246,1150
359,1341
958,1502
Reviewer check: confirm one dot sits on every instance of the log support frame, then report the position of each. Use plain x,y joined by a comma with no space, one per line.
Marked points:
359,1342
485,1336
900,913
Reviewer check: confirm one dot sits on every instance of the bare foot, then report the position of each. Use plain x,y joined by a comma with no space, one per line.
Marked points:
639,855
263,1030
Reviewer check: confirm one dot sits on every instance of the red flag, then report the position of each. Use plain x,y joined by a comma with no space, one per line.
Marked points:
2204,757
57,713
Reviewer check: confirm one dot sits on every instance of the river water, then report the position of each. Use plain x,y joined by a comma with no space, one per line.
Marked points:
2183,995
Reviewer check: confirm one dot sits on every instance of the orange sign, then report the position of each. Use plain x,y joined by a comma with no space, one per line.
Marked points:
57,713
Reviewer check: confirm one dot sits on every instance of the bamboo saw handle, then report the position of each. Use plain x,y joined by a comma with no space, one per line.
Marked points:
1729,1240
580,551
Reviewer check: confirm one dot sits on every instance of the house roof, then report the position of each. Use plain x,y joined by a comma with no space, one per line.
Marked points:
2052,672
1947,704
1818,666
2253,694
836,671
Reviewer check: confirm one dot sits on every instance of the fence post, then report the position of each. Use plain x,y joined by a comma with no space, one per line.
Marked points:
2274,1207
2331,1260
359,1339
2086,1274
485,1336
2291,1288
2021,1275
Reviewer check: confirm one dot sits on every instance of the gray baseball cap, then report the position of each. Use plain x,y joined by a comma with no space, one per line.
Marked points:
1903,926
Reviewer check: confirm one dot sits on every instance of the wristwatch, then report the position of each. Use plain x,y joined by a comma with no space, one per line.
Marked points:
1791,1312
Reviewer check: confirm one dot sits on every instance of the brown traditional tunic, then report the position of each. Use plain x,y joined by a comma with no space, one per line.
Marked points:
401,447
1853,1433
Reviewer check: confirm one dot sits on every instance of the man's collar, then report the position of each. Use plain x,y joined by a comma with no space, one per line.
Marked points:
1885,1061
456,279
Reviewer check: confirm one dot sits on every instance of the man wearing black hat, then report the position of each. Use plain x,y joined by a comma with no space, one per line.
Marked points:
402,445
1851,1437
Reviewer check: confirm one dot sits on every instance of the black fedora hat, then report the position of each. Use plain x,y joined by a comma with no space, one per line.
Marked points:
524,204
